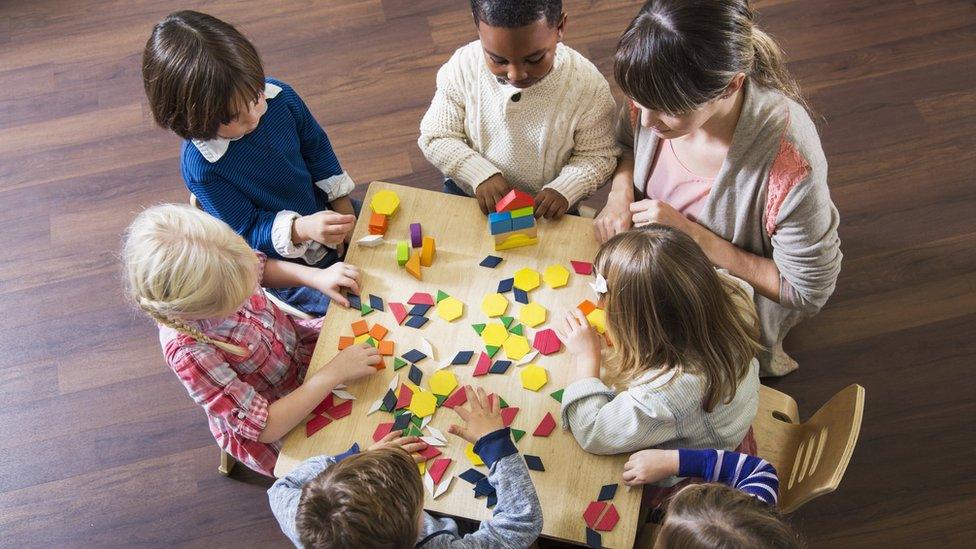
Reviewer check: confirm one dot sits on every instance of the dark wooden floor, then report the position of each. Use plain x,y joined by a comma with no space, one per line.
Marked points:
99,443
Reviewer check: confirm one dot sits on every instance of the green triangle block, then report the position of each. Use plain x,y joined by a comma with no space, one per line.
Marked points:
558,395
414,431
502,403
398,363
416,420
441,399
517,434
507,321
517,330
365,309
371,342
491,350
478,328
441,295
384,408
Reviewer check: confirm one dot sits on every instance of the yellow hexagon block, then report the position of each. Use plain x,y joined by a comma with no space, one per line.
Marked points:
526,279
516,347
472,457
533,377
494,305
442,382
532,315
598,319
494,334
385,203
423,403
556,276
450,308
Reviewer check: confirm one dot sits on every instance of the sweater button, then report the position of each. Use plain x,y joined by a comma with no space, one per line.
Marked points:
517,97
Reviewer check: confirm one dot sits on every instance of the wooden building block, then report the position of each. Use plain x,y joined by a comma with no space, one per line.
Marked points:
427,251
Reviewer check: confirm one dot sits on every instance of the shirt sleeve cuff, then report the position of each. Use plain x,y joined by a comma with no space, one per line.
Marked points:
281,235
252,421
495,446
475,170
336,186
571,189
695,463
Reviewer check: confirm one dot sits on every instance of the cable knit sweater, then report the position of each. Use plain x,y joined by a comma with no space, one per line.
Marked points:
558,133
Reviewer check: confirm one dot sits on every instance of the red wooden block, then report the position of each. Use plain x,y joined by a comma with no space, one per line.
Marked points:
421,298
514,200
545,427
429,452
609,519
340,411
326,403
547,342
360,327
592,513
315,424
437,469
404,398
508,415
381,431
582,267
457,398
484,364
345,341
398,310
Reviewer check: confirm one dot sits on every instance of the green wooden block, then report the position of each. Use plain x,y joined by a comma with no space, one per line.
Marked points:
507,321
517,330
414,431
441,399
402,252
517,434
522,212
371,342
491,350
398,363
558,395
502,403
365,309
441,296
478,328
416,420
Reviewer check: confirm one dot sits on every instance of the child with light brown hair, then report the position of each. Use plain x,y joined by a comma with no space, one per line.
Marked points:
682,371
375,498
238,355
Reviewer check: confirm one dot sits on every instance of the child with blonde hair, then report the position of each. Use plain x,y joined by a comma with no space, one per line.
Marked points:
683,366
238,355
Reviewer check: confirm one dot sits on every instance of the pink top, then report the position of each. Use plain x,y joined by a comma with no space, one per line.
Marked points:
670,181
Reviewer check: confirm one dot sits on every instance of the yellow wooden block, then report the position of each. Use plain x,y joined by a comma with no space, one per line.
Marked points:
427,251
385,203
598,319
450,308
361,339
413,266
494,334
532,315
422,467
423,403
526,279
516,347
515,241
534,377
556,276
472,457
494,305
442,382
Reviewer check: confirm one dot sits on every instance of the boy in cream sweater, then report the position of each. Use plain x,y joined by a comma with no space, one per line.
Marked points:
518,109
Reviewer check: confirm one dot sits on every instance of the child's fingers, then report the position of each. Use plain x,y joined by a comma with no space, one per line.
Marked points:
414,447
459,431
481,397
391,436
337,297
351,283
462,412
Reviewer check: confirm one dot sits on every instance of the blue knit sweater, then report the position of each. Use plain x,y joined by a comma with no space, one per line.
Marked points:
281,165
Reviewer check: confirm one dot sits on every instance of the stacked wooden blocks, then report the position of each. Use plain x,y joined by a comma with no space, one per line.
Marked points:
513,222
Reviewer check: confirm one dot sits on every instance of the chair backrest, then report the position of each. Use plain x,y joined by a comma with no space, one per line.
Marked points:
809,457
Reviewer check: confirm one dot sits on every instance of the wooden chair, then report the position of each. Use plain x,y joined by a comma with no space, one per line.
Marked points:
297,313
809,457
227,463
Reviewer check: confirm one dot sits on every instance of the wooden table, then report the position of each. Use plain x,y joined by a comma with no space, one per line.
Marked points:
572,478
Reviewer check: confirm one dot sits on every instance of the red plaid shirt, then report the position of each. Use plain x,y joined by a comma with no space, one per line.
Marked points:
236,391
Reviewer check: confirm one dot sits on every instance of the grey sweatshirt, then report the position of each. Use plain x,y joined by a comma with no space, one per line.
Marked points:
769,198
516,519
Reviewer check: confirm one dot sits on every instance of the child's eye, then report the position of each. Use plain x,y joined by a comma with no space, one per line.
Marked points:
499,61
536,60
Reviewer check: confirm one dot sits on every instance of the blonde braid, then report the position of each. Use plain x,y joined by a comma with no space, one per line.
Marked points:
180,326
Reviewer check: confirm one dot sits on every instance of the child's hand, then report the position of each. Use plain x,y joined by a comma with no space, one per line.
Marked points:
649,466
325,227
491,191
330,281
352,363
582,341
411,445
484,417
550,204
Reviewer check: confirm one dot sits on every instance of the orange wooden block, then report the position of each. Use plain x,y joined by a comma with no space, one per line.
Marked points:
345,341
413,266
377,223
360,327
380,365
427,252
586,306
378,332
386,347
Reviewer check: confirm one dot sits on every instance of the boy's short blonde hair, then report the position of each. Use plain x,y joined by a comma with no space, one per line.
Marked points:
182,264
372,499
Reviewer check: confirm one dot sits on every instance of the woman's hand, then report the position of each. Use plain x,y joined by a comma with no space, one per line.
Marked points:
649,466
612,220
650,211
332,280
583,342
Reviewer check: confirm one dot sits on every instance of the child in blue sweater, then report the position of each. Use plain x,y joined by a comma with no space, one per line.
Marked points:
253,154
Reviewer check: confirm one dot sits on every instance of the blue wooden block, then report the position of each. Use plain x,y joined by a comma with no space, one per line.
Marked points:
499,216
416,321
526,222
500,227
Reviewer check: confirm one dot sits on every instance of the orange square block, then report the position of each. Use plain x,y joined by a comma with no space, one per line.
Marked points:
360,327
377,224
586,306
345,341
386,347
378,332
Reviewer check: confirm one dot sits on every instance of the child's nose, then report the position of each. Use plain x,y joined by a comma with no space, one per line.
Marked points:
516,72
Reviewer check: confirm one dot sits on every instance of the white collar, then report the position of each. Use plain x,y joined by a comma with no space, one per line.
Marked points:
213,149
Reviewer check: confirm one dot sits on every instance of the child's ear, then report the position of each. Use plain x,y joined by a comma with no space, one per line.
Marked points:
561,27
735,85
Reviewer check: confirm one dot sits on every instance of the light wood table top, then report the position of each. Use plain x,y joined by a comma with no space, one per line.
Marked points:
572,477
